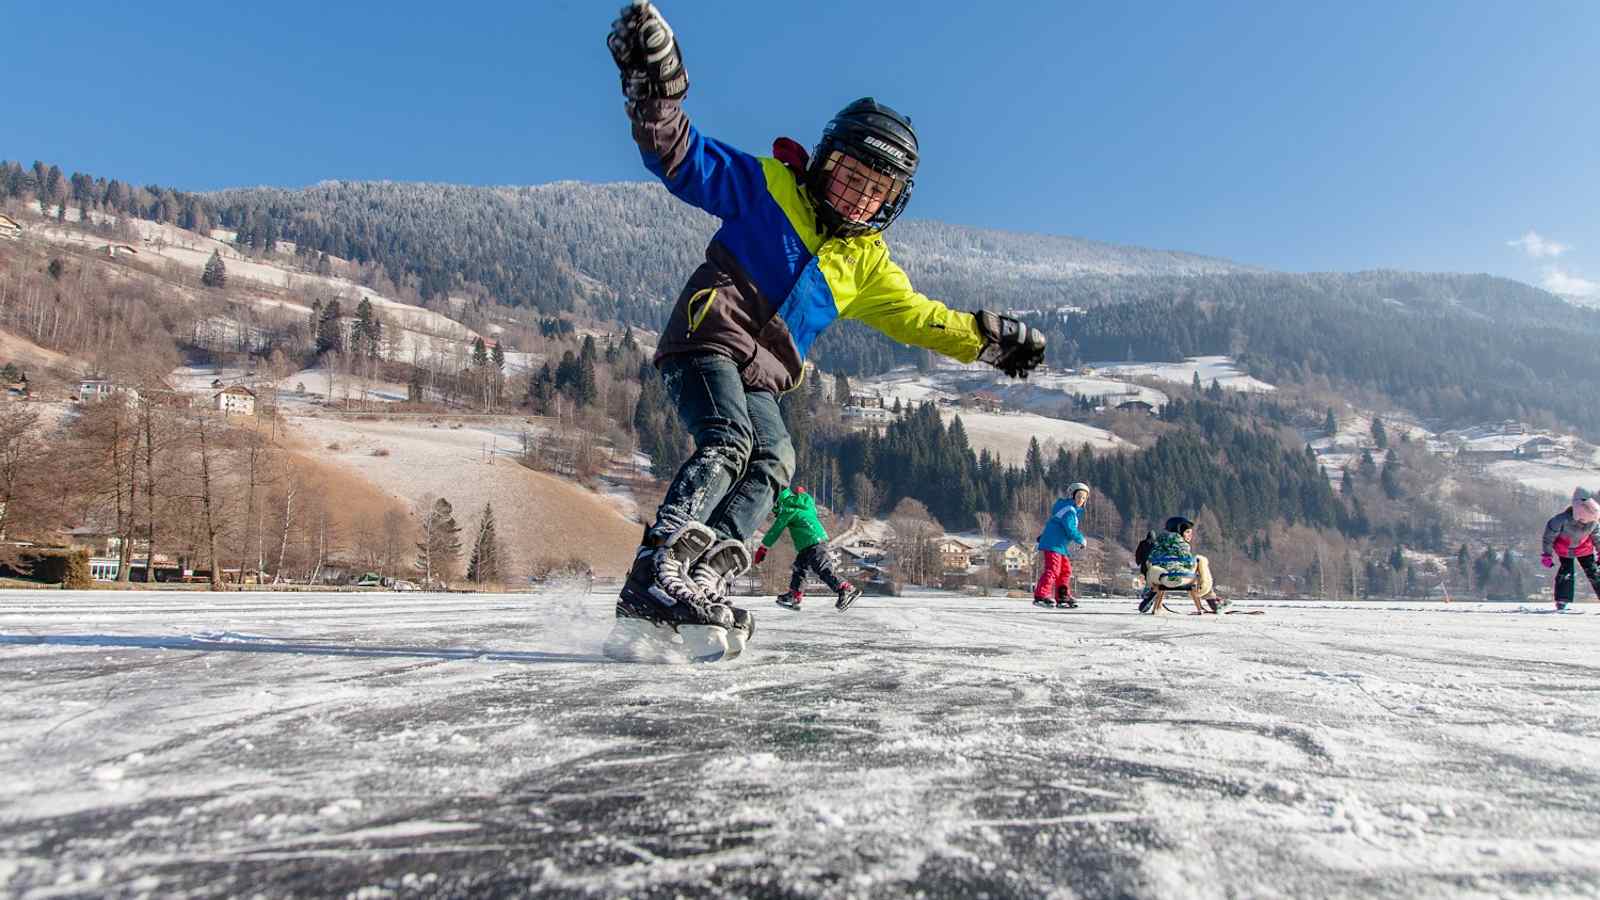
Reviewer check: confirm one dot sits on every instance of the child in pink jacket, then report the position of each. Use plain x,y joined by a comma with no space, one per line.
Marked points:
1570,535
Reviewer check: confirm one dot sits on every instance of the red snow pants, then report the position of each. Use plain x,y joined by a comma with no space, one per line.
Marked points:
1056,570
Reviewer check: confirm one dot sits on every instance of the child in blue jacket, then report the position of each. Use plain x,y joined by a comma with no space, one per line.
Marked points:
1055,543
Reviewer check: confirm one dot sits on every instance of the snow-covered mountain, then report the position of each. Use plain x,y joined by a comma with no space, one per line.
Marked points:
561,245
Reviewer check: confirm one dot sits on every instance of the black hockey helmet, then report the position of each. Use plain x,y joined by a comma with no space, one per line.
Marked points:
878,138
1178,524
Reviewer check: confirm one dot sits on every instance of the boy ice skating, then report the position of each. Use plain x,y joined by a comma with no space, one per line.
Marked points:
796,513
1055,544
799,246
1570,535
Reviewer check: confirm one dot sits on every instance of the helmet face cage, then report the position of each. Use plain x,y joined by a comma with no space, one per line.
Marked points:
867,151
857,190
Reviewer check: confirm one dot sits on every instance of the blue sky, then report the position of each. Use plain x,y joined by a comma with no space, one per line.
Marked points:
1439,136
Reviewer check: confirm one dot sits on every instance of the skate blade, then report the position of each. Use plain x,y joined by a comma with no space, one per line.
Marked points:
643,641
737,638
744,628
705,643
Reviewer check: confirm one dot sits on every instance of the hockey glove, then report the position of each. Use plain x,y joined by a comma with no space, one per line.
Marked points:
1546,561
761,553
646,52
1011,346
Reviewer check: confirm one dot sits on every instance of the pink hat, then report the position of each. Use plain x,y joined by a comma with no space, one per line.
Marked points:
1586,511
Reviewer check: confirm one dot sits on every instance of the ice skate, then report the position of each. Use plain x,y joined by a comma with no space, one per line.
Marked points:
791,599
1044,603
662,616
713,573
848,594
1064,599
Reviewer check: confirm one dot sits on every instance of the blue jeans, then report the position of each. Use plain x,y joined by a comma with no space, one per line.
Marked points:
742,455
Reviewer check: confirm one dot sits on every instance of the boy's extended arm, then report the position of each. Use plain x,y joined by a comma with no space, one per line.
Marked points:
704,172
718,178
887,302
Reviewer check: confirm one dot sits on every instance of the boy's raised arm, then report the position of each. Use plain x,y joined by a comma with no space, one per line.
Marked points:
718,178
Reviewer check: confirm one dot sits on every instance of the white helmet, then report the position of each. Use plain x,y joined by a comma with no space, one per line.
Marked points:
1077,486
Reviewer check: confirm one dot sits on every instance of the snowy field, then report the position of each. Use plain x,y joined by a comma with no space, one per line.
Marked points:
1220,369
1042,392
182,745
1553,476
1007,435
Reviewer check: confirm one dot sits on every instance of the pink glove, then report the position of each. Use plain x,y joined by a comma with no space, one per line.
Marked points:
1546,561
761,553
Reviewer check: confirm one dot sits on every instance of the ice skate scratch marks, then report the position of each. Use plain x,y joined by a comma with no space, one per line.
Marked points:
157,642
1090,818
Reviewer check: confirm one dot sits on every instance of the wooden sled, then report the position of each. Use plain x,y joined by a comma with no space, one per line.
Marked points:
1188,586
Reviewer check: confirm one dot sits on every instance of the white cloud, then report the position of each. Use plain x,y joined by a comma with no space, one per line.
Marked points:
1538,247
1559,282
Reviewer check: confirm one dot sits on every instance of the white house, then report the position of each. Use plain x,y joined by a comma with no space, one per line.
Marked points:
1012,556
954,555
867,413
237,400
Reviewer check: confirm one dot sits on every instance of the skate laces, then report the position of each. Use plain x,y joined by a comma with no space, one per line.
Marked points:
670,576
714,571
670,565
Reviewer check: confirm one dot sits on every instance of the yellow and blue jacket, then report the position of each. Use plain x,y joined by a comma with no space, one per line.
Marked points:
773,279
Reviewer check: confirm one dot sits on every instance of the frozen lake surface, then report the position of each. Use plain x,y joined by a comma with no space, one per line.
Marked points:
180,744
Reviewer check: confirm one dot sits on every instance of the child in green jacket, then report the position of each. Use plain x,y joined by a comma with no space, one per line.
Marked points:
796,512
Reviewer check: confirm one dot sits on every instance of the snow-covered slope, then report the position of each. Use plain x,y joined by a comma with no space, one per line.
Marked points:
422,331
374,745
1007,435
538,516
1220,369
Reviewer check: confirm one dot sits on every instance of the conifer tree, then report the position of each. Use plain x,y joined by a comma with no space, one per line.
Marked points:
215,274
485,563
588,387
1368,467
1389,480
330,330
363,334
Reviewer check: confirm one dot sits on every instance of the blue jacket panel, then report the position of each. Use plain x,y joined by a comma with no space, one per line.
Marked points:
1061,529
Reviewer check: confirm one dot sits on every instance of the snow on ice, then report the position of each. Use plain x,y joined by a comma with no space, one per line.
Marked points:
185,744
